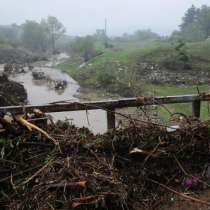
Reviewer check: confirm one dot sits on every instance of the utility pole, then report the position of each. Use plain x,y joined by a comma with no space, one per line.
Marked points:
105,27
105,32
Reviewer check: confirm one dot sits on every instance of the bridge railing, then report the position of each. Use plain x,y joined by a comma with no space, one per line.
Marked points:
111,105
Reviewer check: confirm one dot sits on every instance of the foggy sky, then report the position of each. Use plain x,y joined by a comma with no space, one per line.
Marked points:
85,16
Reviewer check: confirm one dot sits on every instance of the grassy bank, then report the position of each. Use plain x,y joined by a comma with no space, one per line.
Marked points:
166,90
117,71
111,76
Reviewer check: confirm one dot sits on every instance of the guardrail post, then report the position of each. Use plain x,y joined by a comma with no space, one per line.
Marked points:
111,119
196,108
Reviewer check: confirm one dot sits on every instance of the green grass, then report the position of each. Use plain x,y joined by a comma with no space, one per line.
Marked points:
200,49
164,111
155,52
166,90
69,68
130,53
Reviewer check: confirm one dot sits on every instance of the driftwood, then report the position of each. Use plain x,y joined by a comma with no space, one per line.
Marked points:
131,168
31,126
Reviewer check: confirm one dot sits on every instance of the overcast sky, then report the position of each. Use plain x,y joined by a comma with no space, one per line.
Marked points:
85,16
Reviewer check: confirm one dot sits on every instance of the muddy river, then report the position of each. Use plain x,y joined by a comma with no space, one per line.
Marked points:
42,91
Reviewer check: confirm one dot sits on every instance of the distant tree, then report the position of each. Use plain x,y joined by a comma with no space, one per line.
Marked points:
143,35
178,58
126,36
193,32
100,34
55,30
63,45
10,34
85,46
195,24
176,35
190,17
33,36
204,20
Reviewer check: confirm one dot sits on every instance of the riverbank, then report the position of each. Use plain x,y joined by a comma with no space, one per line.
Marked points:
43,90
104,79
128,69
11,93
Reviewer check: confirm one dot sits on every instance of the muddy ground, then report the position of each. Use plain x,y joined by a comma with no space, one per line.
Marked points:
11,93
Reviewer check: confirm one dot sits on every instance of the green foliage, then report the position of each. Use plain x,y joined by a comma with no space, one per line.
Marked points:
195,24
139,36
143,35
204,20
179,58
104,73
10,34
63,43
118,70
166,90
190,17
193,32
106,78
54,28
34,36
85,46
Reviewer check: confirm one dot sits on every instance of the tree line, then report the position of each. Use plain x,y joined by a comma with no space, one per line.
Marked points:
195,24
49,33
35,36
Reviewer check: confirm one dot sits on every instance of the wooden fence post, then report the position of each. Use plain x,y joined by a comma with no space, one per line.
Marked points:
111,119
196,108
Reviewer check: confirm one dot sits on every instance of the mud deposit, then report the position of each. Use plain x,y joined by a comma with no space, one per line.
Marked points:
11,93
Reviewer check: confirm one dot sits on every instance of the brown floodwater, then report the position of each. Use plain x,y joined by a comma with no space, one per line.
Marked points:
42,92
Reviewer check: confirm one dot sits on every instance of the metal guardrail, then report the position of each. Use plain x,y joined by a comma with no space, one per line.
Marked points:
111,105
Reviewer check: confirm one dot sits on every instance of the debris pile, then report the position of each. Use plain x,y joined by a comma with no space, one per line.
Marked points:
11,93
155,74
13,68
59,166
